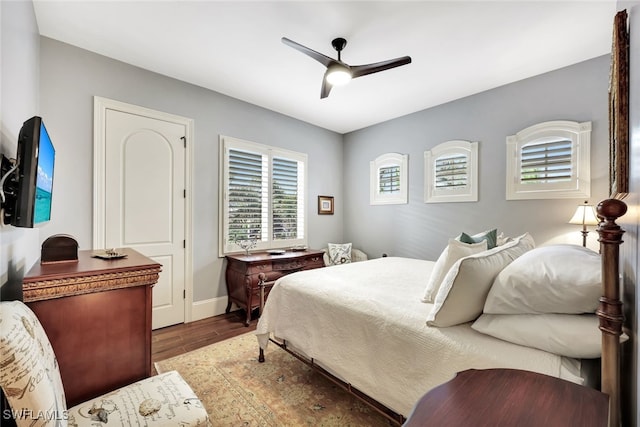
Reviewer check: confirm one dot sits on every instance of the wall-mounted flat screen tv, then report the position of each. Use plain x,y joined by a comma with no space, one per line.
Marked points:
35,160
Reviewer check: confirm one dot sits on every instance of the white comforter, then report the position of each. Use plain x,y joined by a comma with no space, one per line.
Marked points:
364,322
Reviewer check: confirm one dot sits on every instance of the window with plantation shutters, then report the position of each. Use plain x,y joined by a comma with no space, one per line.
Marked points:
451,172
388,179
549,160
262,196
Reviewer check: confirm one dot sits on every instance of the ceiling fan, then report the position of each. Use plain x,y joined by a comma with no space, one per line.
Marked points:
338,72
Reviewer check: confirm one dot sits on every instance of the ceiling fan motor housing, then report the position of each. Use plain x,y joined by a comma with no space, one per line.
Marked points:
338,44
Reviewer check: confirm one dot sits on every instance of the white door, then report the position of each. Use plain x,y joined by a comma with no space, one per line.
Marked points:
144,200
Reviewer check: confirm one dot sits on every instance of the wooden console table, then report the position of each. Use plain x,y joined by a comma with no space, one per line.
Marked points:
510,397
97,315
244,273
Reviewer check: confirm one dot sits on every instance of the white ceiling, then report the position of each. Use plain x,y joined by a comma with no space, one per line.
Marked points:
458,48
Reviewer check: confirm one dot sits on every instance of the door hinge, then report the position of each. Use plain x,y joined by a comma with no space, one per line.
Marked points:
184,140
184,244
184,194
184,294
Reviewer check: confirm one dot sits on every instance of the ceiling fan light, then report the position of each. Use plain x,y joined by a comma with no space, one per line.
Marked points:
338,75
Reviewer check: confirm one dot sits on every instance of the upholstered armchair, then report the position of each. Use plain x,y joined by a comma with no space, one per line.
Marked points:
342,253
31,382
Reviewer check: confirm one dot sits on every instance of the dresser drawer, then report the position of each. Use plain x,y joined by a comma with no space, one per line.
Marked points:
257,268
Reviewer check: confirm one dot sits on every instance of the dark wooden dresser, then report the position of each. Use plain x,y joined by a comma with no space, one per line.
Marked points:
97,315
243,274
510,397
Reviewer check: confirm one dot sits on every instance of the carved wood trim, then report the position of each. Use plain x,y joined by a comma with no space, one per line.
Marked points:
610,309
619,109
58,288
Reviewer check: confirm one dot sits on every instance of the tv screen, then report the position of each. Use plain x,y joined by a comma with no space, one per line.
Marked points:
35,160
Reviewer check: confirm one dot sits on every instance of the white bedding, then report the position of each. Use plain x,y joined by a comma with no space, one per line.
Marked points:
365,323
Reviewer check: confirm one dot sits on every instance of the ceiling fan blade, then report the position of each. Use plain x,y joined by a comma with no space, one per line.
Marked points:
363,70
326,86
321,58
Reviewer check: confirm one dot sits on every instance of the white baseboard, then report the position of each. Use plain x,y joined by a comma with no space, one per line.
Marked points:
209,308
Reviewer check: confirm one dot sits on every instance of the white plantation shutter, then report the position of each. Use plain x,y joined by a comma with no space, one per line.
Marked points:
451,172
549,160
263,195
288,197
247,195
389,180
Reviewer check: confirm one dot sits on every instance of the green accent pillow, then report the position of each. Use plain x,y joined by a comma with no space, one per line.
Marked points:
491,236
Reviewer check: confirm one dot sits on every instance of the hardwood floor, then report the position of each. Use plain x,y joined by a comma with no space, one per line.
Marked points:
174,340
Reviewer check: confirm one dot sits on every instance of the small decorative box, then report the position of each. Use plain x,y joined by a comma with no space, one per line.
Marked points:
59,248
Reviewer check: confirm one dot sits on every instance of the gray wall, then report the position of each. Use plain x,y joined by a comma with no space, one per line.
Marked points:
421,230
70,78
19,96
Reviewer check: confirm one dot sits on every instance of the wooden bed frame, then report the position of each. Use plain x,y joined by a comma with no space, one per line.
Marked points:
610,309
609,313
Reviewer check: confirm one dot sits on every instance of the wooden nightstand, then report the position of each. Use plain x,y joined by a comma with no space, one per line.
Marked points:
510,397
245,273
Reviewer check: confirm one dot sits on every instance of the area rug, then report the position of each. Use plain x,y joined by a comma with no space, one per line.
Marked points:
237,390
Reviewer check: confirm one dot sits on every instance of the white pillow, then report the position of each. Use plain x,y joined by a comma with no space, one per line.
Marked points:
501,239
549,279
464,289
452,253
571,335
339,253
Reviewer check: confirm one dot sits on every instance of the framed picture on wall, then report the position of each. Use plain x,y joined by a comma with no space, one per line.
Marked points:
325,205
619,109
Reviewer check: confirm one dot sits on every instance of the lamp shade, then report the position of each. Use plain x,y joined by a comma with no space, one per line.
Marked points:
584,215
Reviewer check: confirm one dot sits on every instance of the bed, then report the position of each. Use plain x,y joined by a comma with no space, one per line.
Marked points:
367,326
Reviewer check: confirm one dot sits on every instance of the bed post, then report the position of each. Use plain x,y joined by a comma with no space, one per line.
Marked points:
610,308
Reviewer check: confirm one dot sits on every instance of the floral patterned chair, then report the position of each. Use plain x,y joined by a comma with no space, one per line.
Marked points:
31,382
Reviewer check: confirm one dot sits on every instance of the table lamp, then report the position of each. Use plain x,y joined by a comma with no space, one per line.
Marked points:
585,215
